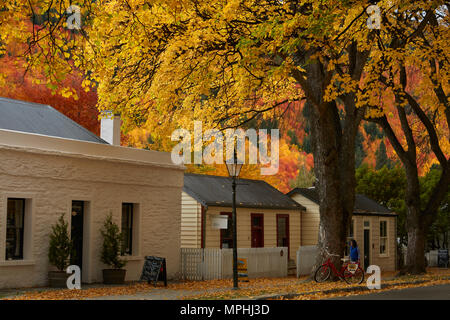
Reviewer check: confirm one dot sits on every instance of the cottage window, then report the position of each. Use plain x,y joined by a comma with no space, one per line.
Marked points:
350,236
383,237
127,228
15,222
226,235
351,232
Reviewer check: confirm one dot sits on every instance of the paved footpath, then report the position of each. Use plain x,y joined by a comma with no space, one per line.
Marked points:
155,294
160,294
439,292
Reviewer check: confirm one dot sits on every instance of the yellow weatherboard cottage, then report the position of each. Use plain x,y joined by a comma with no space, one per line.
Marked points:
266,218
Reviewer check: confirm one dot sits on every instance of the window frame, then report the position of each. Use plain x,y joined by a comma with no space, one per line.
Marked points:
22,234
29,228
385,238
350,236
287,217
229,225
130,228
351,231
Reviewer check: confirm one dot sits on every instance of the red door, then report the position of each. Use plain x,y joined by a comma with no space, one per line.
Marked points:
257,224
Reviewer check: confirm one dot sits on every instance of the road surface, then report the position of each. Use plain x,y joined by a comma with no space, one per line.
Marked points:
440,292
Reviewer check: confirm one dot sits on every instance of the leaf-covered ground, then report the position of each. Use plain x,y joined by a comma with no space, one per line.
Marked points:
269,288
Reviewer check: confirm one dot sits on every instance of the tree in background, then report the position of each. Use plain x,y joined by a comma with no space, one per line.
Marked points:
387,187
17,83
437,236
305,177
381,157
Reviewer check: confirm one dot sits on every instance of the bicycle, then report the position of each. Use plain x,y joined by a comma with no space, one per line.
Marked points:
350,272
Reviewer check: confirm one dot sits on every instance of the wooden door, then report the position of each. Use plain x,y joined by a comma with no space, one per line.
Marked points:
366,248
257,230
77,233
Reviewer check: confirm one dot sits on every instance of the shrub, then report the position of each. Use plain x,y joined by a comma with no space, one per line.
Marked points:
60,245
112,242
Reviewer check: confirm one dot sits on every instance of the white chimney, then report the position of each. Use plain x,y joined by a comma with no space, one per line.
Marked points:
110,128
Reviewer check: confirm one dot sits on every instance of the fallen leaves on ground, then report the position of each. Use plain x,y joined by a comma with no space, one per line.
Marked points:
325,295
311,290
222,289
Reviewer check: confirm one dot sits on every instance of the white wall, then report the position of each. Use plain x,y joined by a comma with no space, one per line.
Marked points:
51,180
191,213
310,220
306,257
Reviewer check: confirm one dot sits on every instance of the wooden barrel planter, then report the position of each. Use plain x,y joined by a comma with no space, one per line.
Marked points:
114,276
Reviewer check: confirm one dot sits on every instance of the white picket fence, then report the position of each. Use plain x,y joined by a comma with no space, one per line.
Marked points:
212,263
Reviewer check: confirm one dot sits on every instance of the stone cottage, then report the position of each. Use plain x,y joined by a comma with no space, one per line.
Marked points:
50,165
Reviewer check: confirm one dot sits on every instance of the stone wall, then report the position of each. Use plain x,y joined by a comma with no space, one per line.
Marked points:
50,181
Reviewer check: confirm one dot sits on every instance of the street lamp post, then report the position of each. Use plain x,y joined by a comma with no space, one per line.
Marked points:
234,169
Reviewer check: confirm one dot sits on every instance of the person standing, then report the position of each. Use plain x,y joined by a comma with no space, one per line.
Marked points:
354,251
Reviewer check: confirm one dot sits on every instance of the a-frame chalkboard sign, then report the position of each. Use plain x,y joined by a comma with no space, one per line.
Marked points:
443,258
154,269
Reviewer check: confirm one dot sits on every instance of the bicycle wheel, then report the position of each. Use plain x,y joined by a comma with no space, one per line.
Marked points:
354,278
322,273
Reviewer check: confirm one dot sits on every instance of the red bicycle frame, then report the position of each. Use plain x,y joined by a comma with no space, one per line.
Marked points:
340,274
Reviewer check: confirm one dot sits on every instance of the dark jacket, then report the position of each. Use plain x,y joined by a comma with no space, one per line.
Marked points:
354,254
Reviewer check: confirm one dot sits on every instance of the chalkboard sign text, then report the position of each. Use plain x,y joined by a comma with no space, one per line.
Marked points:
154,269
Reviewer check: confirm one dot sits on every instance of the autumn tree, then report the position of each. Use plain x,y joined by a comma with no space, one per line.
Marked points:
423,111
80,108
164,63
17,82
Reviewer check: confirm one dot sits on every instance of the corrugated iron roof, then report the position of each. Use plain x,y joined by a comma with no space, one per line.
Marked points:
363,204
217,191
41,119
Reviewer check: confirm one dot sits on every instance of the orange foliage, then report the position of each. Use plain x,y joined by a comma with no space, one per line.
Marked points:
21,85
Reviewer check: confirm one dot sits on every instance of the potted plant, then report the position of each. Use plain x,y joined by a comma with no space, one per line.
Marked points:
112,241
59,253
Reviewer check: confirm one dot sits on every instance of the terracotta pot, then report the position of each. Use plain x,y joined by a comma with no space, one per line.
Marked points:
114,276
57,279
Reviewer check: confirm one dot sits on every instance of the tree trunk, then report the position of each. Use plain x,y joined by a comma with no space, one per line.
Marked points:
415,253
417,222
416,225
334,159
333,137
